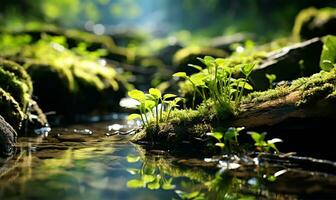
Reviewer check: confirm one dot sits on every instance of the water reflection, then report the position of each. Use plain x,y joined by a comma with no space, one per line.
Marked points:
72,164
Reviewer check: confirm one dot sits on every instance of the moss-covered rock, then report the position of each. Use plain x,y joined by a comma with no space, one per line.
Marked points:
16,90
72,38
80,81
11,110
19,72
288,63
189,55
312,22
16,96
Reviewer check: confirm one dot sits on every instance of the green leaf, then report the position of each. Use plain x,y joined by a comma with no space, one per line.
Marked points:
167,96
274,140
137,95
271,178
147,178
197,79
208,61
247,69
230,133
242,83
155,92
257,137
133,116
217,135
328,56
180,74
154,186
135,183
271,77
149,104
132,159
196,67
168,185
220,144
221,61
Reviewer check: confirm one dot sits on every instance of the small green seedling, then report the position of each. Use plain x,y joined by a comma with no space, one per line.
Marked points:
197,82
271,78
154,100
262,145
227,139
225,90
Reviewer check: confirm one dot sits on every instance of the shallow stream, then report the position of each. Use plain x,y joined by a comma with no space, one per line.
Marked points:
91,161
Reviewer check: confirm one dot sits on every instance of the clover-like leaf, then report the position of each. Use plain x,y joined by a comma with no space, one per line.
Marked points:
168,185
132,159
149,104
135,183
199,68
137,95
155,92
220,144
328,55
147,178
133,116
180,74
154,185
168,96
197,79
217,135
271,77
247,68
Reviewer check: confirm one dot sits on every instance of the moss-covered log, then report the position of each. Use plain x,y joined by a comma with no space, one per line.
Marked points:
303,101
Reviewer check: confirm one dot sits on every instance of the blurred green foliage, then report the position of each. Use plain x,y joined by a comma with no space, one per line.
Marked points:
205,17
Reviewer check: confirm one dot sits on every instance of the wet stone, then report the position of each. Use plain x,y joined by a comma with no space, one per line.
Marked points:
7,138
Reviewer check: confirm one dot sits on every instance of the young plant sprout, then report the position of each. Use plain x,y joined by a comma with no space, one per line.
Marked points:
154,100
228,139
262,145
225,90
271,78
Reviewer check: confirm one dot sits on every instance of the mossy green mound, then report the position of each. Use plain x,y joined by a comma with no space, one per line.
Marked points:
16,90
313,22
67,82
11,110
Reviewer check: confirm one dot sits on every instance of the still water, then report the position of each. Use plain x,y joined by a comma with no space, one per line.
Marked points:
91,162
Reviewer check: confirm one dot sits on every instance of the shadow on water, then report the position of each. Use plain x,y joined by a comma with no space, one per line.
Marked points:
90,161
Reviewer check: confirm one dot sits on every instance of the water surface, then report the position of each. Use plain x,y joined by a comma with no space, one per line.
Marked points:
91,162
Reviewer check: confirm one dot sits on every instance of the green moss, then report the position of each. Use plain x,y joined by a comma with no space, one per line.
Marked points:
11,44
256,97
18,89
308,22
58,71
316,93
315,87
10,109
19,72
